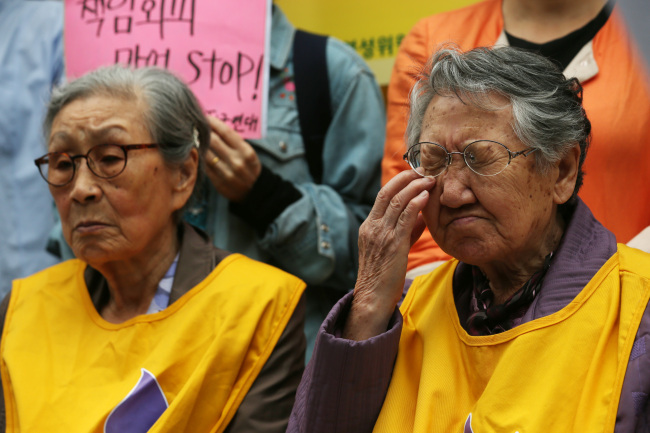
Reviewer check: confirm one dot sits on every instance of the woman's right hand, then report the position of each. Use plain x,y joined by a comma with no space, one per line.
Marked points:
385,237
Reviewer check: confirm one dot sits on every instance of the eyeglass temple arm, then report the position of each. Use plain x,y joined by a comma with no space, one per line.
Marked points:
524,152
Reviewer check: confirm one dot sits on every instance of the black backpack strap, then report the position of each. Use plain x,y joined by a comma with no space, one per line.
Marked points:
312,96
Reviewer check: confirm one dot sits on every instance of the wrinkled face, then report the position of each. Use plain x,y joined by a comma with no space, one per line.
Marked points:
119,218
481,219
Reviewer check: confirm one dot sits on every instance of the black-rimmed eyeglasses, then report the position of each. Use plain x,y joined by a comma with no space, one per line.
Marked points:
483,157
104,160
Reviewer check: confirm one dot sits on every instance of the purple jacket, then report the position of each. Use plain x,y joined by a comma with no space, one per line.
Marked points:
344,385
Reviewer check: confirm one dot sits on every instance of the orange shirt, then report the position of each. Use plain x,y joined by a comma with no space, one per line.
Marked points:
617,101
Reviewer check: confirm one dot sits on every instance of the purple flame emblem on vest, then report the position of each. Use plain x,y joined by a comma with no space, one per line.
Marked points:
468,424
140,409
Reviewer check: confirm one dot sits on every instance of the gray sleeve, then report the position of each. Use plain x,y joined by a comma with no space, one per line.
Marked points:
346,381
268,403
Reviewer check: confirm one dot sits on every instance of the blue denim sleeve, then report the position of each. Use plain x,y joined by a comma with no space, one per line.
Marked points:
315,237
31,63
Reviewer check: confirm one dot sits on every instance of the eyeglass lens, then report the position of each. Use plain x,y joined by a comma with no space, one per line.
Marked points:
486,158
105,161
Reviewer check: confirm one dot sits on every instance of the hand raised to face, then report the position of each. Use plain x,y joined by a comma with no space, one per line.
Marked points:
393,225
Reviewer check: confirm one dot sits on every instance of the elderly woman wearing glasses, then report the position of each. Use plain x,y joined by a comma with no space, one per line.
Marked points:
539,323
152,329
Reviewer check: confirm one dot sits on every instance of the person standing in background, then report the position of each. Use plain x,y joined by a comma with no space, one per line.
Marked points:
589,40
265,200
31,63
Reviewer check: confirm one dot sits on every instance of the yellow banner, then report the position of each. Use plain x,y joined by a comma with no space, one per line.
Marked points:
374,28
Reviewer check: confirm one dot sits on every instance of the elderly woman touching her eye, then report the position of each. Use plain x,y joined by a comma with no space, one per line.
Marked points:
539,322
151,329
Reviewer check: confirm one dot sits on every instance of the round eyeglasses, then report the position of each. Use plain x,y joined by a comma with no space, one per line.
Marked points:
104,160
483,157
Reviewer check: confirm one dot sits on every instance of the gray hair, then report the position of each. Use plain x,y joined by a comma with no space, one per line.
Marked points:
174,117
546,107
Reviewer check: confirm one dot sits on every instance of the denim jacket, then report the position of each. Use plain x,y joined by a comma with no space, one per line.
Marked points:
315,237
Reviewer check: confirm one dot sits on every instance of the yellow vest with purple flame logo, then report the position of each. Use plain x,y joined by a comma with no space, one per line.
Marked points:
186,368
559,373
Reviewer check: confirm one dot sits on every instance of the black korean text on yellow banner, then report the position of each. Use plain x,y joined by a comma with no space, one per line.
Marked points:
374,28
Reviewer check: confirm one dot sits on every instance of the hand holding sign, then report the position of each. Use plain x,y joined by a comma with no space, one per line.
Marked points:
217,46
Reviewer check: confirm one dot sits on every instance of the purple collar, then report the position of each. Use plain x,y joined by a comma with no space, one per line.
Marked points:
583,250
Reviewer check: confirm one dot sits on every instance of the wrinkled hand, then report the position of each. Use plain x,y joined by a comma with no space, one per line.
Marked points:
231,163
393,225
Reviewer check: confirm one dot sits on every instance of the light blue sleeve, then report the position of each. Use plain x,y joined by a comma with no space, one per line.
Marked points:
31,63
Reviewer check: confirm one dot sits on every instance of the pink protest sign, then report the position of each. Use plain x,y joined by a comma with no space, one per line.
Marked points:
216,46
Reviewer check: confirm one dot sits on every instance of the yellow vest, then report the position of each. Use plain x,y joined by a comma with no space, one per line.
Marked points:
64,368
559,373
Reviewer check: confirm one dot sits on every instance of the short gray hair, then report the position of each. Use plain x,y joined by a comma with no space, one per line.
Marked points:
173,117
546,106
